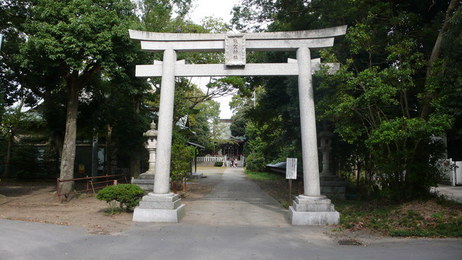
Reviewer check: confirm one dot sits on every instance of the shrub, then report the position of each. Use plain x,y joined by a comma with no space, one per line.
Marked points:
256,162
218,164
128,196
182,155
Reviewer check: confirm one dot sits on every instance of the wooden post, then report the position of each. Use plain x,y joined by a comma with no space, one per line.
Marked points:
290,190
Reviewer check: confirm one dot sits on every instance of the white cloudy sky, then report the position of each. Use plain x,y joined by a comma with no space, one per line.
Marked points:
218,9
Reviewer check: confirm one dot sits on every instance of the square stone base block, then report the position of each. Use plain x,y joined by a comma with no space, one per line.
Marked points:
313,210
159,208
159,215
313,218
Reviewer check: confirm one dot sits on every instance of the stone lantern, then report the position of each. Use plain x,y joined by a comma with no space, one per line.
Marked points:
331,185
146,179
151,146
325,148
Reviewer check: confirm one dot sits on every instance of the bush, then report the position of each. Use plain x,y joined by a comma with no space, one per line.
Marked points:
218,164
256,162
128,196
182,155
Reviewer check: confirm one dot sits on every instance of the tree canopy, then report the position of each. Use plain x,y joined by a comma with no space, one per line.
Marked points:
388,102
74,63
395,95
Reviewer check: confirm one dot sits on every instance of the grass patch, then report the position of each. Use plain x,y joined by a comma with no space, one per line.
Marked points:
416,218
435,217
276,185
264,176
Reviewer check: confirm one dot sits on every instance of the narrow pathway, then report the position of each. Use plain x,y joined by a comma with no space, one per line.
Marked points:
235,200
451,192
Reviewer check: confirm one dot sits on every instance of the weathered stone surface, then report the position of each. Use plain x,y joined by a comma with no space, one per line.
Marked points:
313,210
159,208
308,204
308,124
235,53
220,70
145,204
159,215
313,218
307,34
169,197
164,137
144,181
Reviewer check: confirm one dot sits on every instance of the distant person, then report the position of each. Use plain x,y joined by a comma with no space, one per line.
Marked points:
235,163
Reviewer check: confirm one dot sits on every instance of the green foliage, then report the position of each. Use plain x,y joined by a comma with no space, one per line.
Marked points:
218,164
395,220
26,164
182,156
127,195
259,175
255,161
386,103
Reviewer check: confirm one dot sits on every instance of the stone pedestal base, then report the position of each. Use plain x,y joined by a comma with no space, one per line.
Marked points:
308,210
159,208
145,181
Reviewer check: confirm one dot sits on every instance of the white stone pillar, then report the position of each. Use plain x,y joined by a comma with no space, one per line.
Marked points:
308,124
164,138
310,208
161,205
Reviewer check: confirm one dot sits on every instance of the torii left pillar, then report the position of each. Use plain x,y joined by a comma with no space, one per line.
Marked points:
161,205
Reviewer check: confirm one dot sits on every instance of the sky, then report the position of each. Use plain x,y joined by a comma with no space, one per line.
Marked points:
215,8
218,9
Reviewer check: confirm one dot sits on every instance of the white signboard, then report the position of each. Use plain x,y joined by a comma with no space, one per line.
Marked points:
235,50
291,168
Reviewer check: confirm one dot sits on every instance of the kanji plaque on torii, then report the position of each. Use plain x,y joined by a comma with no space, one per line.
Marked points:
161,205
235,50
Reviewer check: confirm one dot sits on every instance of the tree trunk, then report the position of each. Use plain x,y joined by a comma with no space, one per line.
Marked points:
109,152
68,152
94,154
58,143
358,173
435,55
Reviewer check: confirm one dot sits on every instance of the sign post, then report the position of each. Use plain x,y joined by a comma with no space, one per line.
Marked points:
291,173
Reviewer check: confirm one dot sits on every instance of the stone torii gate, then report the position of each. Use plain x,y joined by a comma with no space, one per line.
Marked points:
161,205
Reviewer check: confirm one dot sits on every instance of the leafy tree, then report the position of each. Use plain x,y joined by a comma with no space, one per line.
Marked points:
13,121
386,103
182,156
74,41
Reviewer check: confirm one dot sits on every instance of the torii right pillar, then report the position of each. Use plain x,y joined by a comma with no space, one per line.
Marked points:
311,208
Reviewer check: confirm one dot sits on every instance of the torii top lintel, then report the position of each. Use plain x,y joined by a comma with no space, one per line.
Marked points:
314,39
235,47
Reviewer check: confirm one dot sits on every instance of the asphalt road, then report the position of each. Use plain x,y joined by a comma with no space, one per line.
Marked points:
235,221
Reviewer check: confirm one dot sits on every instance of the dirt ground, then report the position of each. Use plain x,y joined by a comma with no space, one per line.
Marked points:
38,202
